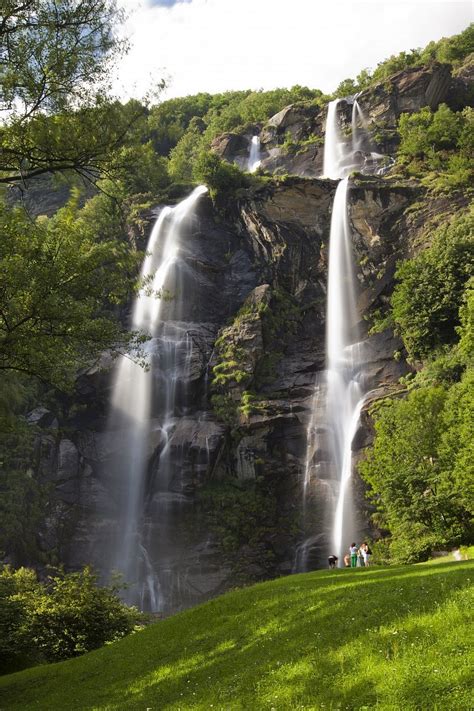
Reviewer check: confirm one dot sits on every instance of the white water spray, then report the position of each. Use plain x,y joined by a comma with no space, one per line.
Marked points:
332,143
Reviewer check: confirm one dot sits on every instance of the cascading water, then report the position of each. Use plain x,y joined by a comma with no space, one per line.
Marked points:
339,392
137,396
254,158
344,363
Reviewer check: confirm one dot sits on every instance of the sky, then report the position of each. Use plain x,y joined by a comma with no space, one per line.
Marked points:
219,45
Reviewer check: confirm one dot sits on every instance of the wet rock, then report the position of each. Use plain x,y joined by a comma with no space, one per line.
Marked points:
42,417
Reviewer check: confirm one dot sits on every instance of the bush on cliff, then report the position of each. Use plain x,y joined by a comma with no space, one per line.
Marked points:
431,288
62,617
221,178
437,146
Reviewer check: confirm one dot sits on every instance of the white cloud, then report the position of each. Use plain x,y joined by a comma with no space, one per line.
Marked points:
218,45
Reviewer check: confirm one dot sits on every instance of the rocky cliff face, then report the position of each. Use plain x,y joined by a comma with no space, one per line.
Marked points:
256,312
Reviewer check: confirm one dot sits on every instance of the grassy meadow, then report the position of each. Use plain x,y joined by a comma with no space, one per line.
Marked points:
387,638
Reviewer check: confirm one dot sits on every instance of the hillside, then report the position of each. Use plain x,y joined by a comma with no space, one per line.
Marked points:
394,638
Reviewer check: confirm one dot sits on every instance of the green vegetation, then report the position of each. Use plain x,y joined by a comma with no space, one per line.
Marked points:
451,50
57,55
393,638
58,284
222,178
427,299
62,617
232,111
438,147
420,468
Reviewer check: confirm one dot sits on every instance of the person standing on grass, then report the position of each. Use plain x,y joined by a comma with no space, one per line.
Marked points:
353,550
366,553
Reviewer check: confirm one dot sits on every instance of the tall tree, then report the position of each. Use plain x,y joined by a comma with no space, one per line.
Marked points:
55,61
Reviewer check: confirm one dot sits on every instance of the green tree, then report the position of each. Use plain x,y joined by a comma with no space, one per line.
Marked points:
55,58
413,473
59,288
61,617
431,286
219,176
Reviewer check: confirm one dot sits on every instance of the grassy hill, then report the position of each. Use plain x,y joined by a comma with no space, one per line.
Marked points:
391,638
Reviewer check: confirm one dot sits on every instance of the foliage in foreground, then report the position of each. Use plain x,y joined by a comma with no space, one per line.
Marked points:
62,617
420,468
394,638
59,286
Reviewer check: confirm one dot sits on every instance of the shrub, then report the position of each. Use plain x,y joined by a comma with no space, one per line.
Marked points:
431,287
64,616
219,176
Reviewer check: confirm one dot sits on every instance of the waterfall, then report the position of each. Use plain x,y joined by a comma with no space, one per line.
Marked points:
137,396
344,363
339,391
332,143
254,158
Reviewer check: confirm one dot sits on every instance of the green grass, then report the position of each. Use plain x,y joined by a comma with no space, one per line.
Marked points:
390,638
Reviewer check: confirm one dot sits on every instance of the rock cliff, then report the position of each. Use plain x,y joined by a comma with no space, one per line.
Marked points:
255,311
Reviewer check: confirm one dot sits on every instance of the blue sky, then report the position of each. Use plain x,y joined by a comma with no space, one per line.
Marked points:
218,45
165,3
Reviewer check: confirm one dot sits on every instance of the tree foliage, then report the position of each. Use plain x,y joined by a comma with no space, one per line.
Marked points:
420,467
438,146
59,285
55,57
58,618
427,299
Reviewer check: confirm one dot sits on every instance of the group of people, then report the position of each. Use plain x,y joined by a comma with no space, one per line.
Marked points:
358,556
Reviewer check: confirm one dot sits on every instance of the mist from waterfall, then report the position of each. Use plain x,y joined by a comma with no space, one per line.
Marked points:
254,157
339,391
136,394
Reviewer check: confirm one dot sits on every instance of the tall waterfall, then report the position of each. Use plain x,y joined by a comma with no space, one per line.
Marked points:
339,392
344,363
254,158
137,395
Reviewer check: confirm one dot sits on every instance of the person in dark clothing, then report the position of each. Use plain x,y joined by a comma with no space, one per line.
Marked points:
332,560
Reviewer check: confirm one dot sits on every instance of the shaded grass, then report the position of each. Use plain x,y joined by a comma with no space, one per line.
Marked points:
394,638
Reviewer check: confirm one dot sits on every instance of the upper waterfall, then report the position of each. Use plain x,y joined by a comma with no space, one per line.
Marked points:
254,157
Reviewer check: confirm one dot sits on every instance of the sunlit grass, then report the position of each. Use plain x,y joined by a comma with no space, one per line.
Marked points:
394,638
